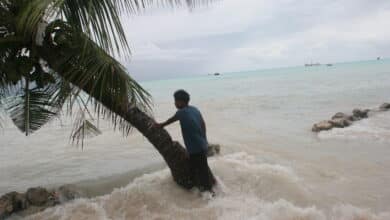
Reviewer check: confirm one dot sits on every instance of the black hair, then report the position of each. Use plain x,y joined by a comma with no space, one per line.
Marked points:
182,95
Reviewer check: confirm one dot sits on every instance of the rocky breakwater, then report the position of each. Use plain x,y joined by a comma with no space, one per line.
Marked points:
342,120
35,200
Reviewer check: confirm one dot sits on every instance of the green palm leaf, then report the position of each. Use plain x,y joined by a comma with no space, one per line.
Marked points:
28,110
83,128
32,107
98,19
1,108
93,70
78,49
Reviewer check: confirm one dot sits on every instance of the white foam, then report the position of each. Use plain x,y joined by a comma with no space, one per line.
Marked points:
248,189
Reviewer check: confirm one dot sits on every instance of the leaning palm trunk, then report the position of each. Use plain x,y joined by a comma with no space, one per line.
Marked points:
64,49
173,153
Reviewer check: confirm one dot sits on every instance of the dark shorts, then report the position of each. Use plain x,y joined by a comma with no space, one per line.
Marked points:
201,172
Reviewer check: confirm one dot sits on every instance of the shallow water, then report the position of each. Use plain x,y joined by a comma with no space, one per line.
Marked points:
272,166
257,190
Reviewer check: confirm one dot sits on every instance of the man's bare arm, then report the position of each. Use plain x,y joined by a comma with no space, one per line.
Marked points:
167,122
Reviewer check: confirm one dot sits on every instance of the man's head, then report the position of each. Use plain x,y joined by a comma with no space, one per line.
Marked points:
181,98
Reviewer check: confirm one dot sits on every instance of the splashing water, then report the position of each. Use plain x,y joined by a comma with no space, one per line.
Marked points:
255,191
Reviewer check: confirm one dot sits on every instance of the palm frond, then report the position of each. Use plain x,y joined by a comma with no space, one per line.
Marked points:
10,48
78,48
83,128
1,109
98,19
111,89
1,120
27,110
32,107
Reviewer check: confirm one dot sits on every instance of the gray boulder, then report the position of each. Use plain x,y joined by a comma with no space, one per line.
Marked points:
35,200
344,116
358,113
68,192
322,126
385,107
38,196
213,150
340,122
12,202
339,115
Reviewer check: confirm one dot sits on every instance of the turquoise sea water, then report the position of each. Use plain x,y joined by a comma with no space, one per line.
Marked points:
272,166
285,102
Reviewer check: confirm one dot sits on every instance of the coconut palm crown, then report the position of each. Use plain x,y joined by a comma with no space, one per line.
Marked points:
54,53
52,50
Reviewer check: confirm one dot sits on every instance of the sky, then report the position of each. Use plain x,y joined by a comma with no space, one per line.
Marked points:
239,35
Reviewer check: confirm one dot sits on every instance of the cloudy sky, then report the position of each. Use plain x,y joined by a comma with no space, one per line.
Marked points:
236,35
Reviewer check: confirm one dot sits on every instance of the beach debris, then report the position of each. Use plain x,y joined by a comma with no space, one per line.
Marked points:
342,120
385,107
213,150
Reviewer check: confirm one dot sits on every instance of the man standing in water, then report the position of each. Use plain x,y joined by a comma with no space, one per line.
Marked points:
193,130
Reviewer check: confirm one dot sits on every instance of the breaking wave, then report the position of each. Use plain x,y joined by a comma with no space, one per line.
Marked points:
248,189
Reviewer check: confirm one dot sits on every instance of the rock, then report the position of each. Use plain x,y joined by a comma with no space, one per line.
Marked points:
35,200
385,107
354,118
340,122
68,192
38,196
344,116
339,115
6,205
358,113
322,126
213,149
12,202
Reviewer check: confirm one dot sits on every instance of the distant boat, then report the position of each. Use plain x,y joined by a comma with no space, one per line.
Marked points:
217,74
329,64
378,58
312,64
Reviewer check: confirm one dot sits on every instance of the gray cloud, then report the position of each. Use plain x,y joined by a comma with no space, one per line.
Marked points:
236,35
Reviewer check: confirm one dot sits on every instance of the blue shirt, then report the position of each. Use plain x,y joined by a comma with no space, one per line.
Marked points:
191,127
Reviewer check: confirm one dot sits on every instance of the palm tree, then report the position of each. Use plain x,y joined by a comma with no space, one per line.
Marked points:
54,52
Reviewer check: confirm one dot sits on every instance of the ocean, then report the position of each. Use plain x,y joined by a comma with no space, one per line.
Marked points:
271,166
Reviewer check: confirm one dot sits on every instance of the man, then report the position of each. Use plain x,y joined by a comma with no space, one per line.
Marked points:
193,130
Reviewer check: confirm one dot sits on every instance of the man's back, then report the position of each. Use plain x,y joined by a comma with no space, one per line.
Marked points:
194,134
191,126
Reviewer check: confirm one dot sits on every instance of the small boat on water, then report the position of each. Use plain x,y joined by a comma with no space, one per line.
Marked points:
217,74
329,64
312,64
